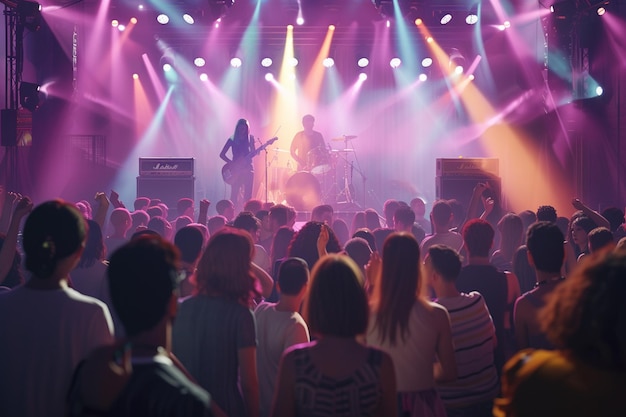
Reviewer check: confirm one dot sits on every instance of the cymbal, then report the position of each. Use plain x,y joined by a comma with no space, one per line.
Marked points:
344,137
280,150
342,150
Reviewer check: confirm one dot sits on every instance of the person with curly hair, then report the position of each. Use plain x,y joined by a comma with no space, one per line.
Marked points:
585,318
304,243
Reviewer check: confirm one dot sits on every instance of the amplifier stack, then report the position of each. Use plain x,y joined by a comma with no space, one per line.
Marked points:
168,179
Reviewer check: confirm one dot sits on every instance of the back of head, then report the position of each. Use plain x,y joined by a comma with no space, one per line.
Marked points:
160,225
478,237
372,220
418,205
120,218
322,213
340,227
336,303
359,250
586,314
215,223
142,278
246,221
441,213
511,231
528,217
182,221
615,216
155,211
94,246
458,212
389,209
224,268
546,214
189,241
405,216
545,244
293,275
368,236
253,206
223,205
184,205
399,285
141,203
53,231
139,218
380,235
600,238
279,214
304,243
280,243
446,261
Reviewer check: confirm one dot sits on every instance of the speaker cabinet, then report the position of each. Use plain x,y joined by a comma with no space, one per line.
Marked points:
167,189
462,187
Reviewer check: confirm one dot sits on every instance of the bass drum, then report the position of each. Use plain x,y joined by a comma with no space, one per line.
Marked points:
303,191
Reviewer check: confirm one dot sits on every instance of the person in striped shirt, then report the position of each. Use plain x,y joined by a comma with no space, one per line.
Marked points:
473,334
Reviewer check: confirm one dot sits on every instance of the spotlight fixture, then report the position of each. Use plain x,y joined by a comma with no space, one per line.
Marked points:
395,62
362,76
293,61
269,76
266,62
423,77
133,20
121,28
163,19
445,19
115,23
601,11
235,62
135,76
188,19
471,19
599,91
167,67
204,77
300,21
328,62
29,95
199,62
363,62
29,14
427,62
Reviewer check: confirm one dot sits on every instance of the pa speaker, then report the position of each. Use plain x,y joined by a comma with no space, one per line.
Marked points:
461,188
8,134
167,189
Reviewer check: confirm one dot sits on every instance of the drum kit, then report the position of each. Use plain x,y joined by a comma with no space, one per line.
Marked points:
318,183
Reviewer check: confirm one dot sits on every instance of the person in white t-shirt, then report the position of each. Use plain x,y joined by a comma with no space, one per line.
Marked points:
279,326
441,217
47,328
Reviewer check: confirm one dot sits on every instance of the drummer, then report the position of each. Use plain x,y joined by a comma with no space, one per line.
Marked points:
306,141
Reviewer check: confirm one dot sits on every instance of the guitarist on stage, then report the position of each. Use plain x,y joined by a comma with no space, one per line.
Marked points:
242,145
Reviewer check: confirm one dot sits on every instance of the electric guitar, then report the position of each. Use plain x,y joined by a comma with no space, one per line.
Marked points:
232,170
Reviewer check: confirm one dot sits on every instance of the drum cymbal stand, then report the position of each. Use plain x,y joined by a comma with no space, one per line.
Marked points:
346,192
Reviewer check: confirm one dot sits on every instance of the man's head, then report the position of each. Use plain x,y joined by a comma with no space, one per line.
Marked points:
546,214
293,276
403,219
189,241
322,213
278,216
246,221
418,206
184,207
121,220
215,224
225,208
444,261
478,237
389,209
545,242
308,121
600,238
141,203
144,269
441,214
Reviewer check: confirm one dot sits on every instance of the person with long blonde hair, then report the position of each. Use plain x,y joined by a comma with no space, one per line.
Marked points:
415,332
